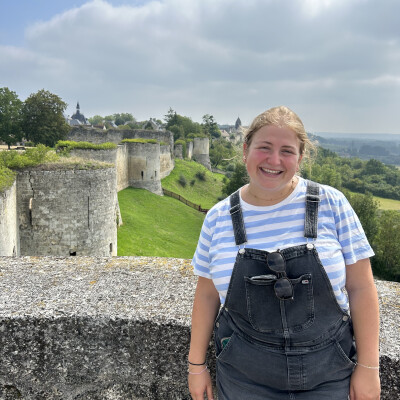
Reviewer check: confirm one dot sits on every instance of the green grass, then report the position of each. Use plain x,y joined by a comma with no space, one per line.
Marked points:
388,204
204,193
156,226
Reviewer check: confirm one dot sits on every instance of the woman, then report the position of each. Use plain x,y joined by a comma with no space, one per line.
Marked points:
278,255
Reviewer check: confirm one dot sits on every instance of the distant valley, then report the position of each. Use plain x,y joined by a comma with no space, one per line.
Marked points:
380,146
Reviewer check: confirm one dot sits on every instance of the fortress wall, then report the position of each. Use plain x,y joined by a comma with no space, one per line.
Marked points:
201,152
178,151
144,166
94,135
9,240
67,212
108,155
166,161
102,328
161,136
121,165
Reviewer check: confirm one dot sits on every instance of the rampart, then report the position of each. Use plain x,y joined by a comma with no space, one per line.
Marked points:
92,328
98,136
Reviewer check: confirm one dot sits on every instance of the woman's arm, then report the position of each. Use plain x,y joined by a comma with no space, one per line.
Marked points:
205,308
360,286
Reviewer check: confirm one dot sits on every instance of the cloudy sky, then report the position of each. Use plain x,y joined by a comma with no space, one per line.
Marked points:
335,62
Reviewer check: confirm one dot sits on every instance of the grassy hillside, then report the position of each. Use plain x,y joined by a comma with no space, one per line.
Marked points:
156,226
203,192
388,204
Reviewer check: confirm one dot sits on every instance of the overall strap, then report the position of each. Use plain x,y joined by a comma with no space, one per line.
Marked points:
312,204
237,218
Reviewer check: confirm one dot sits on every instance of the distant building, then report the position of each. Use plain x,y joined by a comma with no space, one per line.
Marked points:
233,133
77,118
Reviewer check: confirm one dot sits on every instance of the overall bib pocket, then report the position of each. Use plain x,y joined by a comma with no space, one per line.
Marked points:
264,308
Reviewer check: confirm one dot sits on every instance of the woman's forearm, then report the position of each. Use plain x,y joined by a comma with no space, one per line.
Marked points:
205,308
364,309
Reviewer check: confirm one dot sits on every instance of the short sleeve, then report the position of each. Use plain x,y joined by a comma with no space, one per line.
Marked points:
351,235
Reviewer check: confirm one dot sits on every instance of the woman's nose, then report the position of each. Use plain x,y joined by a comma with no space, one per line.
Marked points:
274,158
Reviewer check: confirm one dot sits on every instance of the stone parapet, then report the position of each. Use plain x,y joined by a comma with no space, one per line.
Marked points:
116,328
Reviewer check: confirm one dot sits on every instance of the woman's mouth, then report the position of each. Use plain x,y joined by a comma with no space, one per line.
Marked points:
270,171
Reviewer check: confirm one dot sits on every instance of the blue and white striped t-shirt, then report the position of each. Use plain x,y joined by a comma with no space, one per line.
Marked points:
341,239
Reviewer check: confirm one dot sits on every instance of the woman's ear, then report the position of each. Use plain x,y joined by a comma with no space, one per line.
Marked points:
244,152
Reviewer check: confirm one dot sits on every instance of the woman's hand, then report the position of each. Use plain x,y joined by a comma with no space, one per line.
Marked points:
200,383
365,384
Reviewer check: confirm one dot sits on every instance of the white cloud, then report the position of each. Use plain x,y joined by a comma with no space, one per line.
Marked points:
224,57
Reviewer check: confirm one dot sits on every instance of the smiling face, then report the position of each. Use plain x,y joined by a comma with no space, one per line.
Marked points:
272,158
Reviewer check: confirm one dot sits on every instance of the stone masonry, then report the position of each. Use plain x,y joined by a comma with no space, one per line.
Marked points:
117,328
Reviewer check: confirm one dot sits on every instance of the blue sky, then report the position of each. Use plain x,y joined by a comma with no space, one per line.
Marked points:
335,62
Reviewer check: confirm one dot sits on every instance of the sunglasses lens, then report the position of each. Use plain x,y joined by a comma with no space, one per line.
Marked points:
276,262
283,289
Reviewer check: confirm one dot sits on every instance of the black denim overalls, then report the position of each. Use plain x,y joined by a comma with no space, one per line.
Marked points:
268,348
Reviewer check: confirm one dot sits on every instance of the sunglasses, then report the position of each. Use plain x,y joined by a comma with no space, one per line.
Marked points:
283,287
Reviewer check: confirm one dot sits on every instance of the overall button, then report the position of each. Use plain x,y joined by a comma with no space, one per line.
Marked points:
345,317
217,324
310,246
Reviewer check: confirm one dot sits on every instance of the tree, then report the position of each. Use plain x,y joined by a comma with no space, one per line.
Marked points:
387,260
121,119
238,179
366,208
221,152
42,118
10,117
210,127
96,120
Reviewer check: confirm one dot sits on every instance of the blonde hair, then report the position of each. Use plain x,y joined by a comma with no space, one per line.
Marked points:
282,116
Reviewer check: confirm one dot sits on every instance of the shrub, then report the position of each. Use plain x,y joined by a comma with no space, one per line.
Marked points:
7,178
65,146
30,158
201,175
183,143
182,181
192,182
139,141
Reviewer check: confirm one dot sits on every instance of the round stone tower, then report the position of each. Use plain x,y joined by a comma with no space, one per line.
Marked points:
201,151
144,166
63,211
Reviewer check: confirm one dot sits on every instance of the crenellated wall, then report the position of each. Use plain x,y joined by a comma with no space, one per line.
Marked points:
94,328
9,238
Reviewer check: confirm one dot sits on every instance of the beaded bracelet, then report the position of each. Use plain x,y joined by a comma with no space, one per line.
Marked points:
198,373
367,366
204,363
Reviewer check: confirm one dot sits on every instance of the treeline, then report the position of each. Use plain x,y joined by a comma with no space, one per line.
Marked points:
39,119
360,176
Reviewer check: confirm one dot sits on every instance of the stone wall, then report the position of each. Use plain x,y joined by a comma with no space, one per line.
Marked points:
67,212
121,165
97,136
94,135
166,161
144,166
92,328
9,238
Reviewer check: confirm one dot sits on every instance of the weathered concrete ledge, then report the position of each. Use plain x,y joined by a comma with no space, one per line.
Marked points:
116,328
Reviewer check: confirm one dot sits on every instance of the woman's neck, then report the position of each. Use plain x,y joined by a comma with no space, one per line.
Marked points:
267,198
